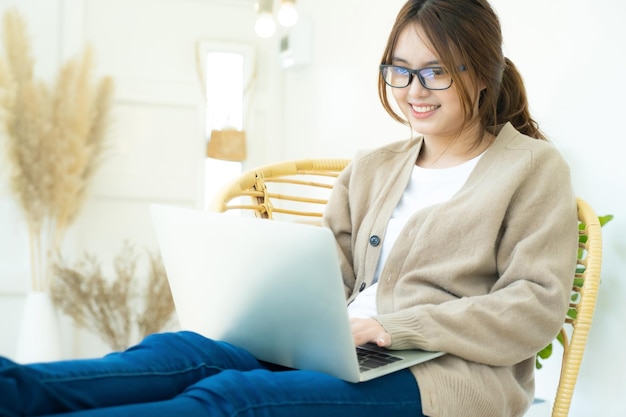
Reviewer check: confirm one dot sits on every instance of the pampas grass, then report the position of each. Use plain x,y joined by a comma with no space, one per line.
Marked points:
55,139
121,310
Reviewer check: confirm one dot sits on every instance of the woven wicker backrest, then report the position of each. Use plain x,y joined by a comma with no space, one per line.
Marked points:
290,190
298,191
582,306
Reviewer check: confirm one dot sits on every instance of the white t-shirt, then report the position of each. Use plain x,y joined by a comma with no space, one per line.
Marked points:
426,188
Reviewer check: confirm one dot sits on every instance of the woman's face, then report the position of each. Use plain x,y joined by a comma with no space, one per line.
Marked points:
429,112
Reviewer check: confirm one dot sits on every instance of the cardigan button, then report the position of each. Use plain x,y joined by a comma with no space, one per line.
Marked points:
374,240
362,287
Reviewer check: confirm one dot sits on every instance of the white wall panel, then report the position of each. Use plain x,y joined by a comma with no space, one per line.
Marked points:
155,152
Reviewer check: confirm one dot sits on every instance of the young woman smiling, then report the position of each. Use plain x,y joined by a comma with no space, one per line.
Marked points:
459,239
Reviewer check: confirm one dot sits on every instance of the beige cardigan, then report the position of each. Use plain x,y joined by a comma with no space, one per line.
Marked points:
485,276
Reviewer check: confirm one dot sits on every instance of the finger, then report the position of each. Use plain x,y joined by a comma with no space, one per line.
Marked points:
383,339
369,331
361,332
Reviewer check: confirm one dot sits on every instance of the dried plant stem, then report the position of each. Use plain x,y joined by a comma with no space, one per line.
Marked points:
55,141
119,309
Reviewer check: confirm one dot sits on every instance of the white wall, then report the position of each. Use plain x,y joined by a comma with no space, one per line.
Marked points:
332,108
568,52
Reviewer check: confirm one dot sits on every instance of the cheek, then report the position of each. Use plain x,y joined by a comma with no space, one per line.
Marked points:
399,95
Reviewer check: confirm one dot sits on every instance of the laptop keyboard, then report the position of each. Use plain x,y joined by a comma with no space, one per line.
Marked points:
370,359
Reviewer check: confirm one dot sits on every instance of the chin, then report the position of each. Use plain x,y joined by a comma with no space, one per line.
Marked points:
419,126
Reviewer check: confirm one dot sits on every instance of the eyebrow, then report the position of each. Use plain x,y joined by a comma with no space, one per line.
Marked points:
405,62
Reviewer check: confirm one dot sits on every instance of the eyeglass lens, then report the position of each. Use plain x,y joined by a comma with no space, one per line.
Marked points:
433,78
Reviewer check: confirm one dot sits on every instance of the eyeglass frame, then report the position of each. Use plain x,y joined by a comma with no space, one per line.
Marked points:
416,72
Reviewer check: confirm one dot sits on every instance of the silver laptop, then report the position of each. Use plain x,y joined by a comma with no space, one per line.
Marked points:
270,287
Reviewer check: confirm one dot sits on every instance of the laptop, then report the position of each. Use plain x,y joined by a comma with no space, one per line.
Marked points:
273,288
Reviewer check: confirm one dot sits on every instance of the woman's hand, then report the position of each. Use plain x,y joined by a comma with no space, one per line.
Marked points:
369,331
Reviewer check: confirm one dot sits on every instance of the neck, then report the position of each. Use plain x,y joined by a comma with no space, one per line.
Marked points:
446,152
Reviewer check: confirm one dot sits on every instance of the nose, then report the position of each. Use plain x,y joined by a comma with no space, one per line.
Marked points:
416,88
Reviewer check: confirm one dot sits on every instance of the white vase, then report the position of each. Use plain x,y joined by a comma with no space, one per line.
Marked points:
38,339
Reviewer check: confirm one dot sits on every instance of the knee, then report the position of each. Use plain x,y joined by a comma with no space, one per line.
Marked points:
177,341
231,391
198,348
170,338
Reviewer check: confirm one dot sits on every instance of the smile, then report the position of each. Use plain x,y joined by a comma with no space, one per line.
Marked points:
424,109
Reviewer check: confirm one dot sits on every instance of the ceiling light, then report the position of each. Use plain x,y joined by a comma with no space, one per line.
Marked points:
264,26
287,13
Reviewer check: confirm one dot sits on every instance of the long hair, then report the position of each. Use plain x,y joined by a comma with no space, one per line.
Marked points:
467,32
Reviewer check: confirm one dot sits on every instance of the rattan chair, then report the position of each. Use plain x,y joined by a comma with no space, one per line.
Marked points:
585,294
298,190
291,190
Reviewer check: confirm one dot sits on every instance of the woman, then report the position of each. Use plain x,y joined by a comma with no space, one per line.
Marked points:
461,239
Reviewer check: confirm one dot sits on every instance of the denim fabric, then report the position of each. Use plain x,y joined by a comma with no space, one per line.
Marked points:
184,374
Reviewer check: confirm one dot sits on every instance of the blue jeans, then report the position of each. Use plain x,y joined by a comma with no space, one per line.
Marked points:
184,374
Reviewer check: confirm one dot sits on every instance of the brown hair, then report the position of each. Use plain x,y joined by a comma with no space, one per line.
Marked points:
467,32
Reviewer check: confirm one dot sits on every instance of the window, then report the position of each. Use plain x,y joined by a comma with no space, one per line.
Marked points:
227,74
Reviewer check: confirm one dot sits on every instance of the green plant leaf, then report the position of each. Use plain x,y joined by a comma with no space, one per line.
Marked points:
543,354
605,219
572,313
546,352
559,337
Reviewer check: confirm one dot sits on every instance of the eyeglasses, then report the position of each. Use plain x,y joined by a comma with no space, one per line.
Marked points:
431,78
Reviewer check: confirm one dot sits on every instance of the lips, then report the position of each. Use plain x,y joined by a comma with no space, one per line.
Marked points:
423,109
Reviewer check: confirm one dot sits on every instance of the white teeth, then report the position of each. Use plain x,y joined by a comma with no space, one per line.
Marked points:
424,109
